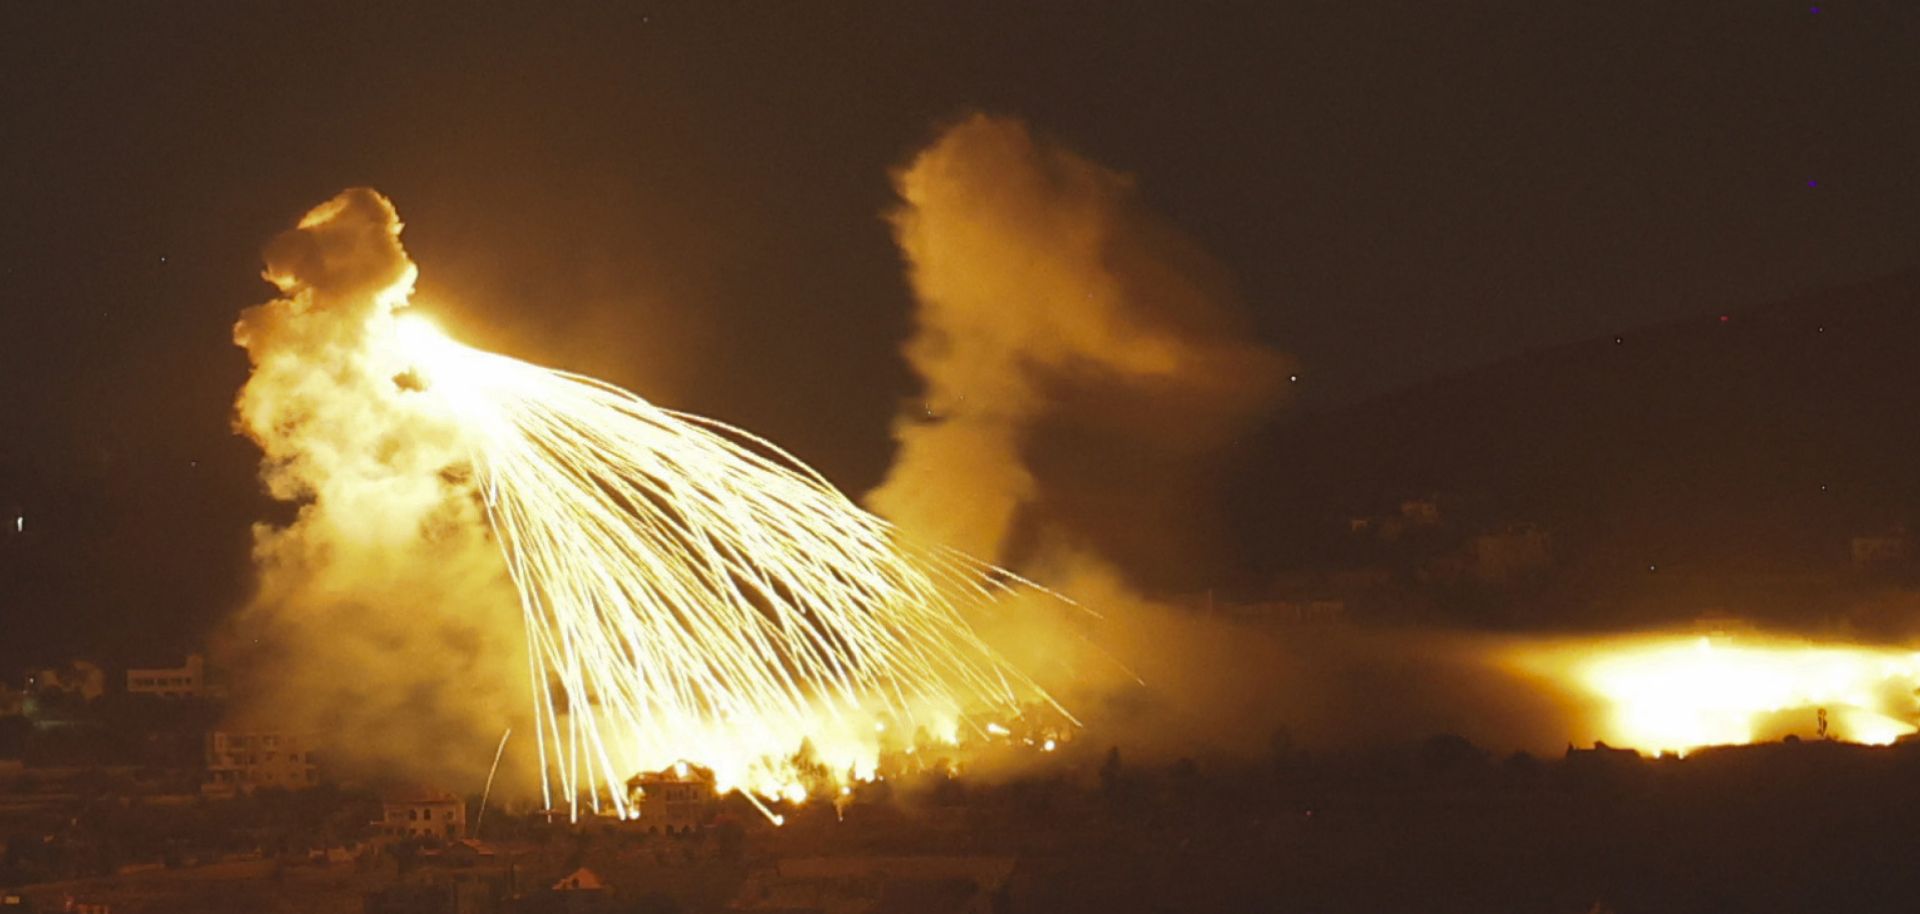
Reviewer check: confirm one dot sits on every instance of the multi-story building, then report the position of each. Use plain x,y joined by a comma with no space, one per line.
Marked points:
188,680
245,761
673,800
423,814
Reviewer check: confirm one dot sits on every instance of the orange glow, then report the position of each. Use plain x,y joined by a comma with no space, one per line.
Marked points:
793,619
1677,692
691,598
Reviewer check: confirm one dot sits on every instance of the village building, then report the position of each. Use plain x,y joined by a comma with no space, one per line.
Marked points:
422,814
244,761
674,800
188,680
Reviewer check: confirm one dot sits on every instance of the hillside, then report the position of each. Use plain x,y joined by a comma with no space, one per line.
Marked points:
1750,439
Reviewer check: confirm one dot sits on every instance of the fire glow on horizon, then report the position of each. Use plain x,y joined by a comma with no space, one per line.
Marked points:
1678,692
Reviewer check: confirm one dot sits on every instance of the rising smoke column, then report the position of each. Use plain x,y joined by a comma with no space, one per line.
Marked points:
1086,372
1083,364
384,619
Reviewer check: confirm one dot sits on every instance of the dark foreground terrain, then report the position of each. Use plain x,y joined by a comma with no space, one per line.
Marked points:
1434,826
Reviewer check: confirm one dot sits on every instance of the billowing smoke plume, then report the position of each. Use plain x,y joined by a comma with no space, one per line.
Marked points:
384,621
1085,369
1083,365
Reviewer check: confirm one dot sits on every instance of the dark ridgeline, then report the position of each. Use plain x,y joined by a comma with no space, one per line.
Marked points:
1752,440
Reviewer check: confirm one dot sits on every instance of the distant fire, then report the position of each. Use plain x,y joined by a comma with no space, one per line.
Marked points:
1677,692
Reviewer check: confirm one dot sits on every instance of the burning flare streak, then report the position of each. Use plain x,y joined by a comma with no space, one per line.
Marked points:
1673,693
691,591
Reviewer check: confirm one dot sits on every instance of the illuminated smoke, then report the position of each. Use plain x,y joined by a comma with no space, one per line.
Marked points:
694,593
689,592
1083,365
1085,369
383,622
1671,692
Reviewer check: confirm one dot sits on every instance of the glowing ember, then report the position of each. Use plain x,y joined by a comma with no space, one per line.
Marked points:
1673,693
693,592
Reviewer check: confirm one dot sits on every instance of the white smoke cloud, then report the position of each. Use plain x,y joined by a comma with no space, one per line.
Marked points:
1082,363
384,622
1084,369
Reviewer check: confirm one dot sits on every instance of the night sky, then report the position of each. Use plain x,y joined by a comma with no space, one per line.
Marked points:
687,198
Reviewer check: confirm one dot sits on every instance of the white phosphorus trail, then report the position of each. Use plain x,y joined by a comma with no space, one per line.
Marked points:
692,592
481,817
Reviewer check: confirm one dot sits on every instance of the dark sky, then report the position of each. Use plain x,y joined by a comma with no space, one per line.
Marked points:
685,198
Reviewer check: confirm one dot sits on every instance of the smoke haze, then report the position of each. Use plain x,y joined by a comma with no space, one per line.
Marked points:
383,617
1083,365
1086,372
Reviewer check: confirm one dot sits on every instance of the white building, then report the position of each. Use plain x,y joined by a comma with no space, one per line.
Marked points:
242,762
678,799
188,680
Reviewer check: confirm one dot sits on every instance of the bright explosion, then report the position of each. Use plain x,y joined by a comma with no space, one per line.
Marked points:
693,592
1678,692
690,592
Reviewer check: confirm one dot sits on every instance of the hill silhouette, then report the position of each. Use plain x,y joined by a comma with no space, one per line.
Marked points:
1749,439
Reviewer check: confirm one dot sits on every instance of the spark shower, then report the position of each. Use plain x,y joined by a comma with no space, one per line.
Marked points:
690,592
